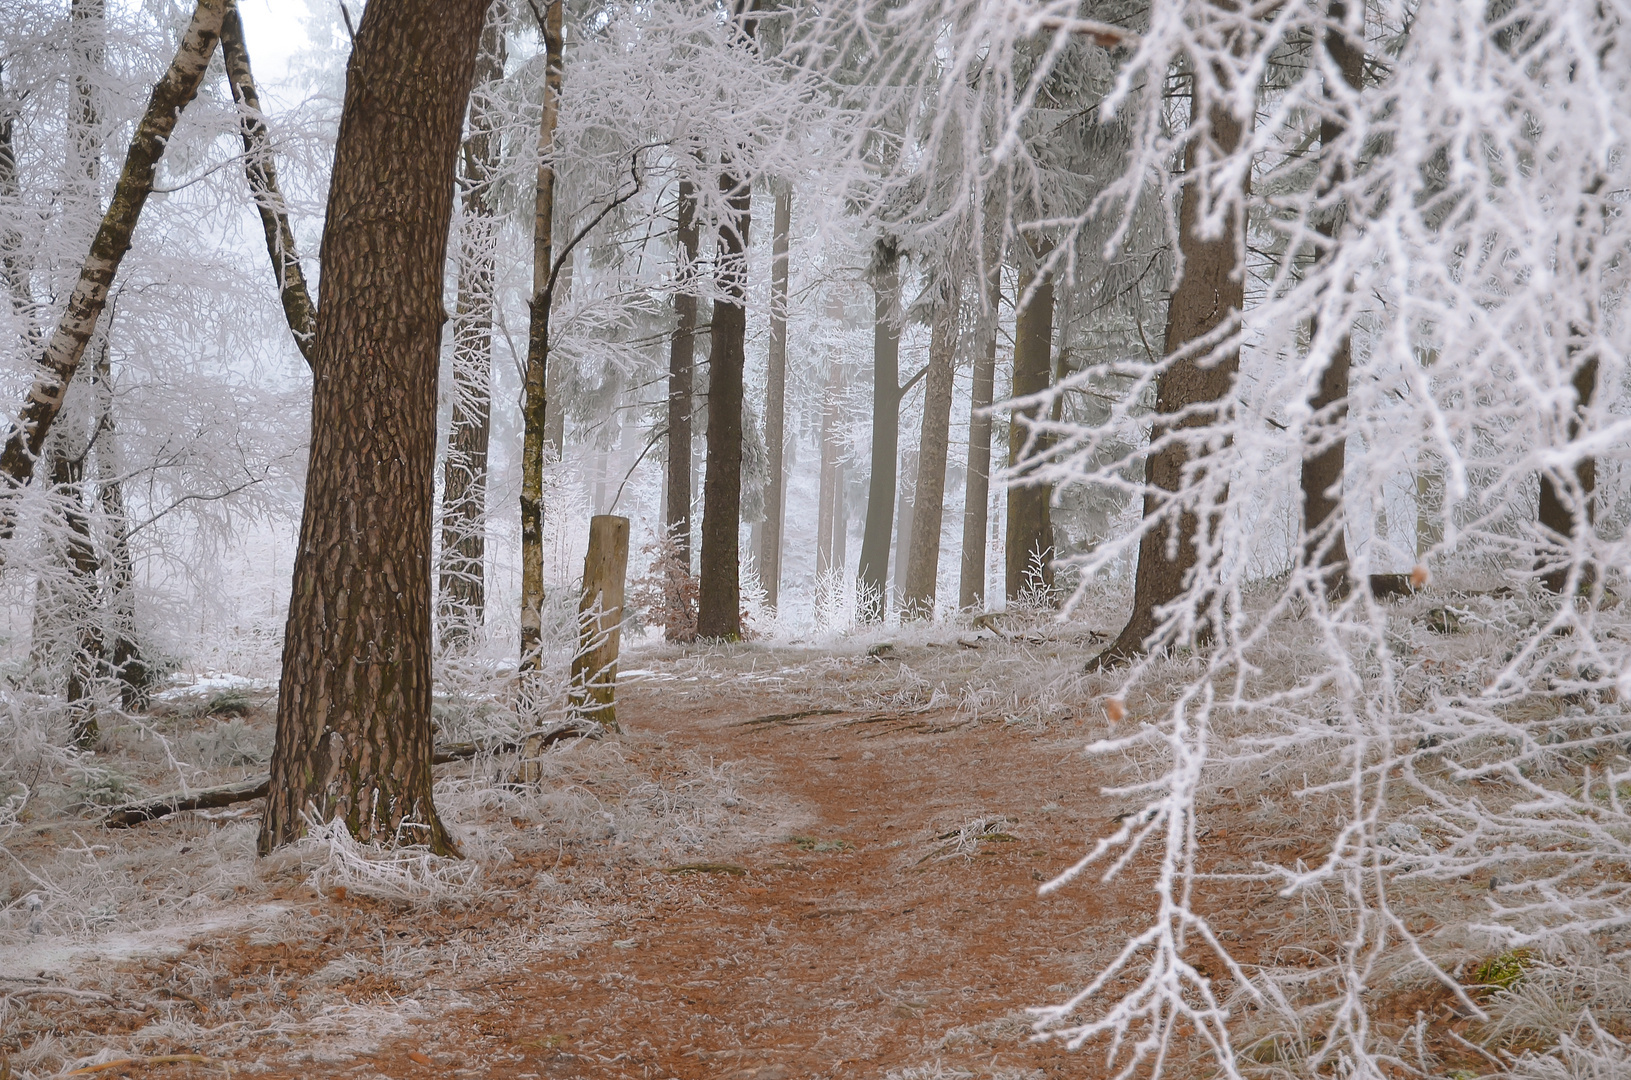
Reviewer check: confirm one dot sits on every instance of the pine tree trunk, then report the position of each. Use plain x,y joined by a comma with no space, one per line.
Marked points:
1029,541
977,493
462,592
62,354
929,496
770,539
1210,296
828,566
719,595
534,400
353,724
261,172
872,574
1324,525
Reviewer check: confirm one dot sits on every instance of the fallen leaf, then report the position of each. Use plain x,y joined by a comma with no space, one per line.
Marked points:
418,1058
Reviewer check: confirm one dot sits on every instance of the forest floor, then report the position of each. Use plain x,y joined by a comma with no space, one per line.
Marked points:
788,864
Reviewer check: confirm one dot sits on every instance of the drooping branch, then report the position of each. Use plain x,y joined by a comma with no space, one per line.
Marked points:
67,344
263,185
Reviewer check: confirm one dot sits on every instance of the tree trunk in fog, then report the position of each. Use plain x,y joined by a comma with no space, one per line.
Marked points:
62,354
977,493
906,489
770,539
828,513
353,723
719,588
929,496
462,592
261,173
681,383
873,572
1324,524
534,400
1029,546
719,593
1208,298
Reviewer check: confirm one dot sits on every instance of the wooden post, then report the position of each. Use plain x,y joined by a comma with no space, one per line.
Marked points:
600,613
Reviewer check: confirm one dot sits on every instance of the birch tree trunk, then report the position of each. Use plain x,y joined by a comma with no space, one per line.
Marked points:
1198,384
770,537
1029,540
1324,523
462,588
261,172
66,346
353,723
929,502
534,400
873,572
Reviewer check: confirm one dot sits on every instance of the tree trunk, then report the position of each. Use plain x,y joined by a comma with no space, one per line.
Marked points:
770,538
18,268
89,297
462,605
977,493
1324,525
600,620
1029,546
1566,510
353,723
873,572
681,381
123,654
828,514
719,597
906,492
1209,298
929,501
534,401
261,172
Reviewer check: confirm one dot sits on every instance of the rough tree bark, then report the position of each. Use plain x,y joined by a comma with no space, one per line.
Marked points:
462,586
681,361
1324,524
353,721
977,493
719,593
534,400
1029,540
1206,304
873,572
770,537
66,346
929,496
261,172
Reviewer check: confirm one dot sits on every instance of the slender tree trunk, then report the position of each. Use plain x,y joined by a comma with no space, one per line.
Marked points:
827,508
681,380
880,503
1207,301
462,606
83,599
929,501
977,493
89,297
1029,546
1324,524
770,538
905,501
719,598
534,403
124,654
1567,510
353,725
17,266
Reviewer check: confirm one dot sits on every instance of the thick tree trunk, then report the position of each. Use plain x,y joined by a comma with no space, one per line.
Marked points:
89,297
977,492
1324,525
1207,302
929,496
719,596
462,592
1029,541
873,572
770,537
534,400
261,172
82,599
353,724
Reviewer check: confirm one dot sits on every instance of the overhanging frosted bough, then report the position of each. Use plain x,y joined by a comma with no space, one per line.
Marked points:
66,347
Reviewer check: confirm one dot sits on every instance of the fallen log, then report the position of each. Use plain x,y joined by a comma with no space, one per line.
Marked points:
123,817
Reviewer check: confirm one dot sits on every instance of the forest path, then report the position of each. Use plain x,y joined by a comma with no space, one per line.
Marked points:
855,939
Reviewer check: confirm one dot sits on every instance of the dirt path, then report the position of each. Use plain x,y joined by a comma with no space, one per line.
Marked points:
859,941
